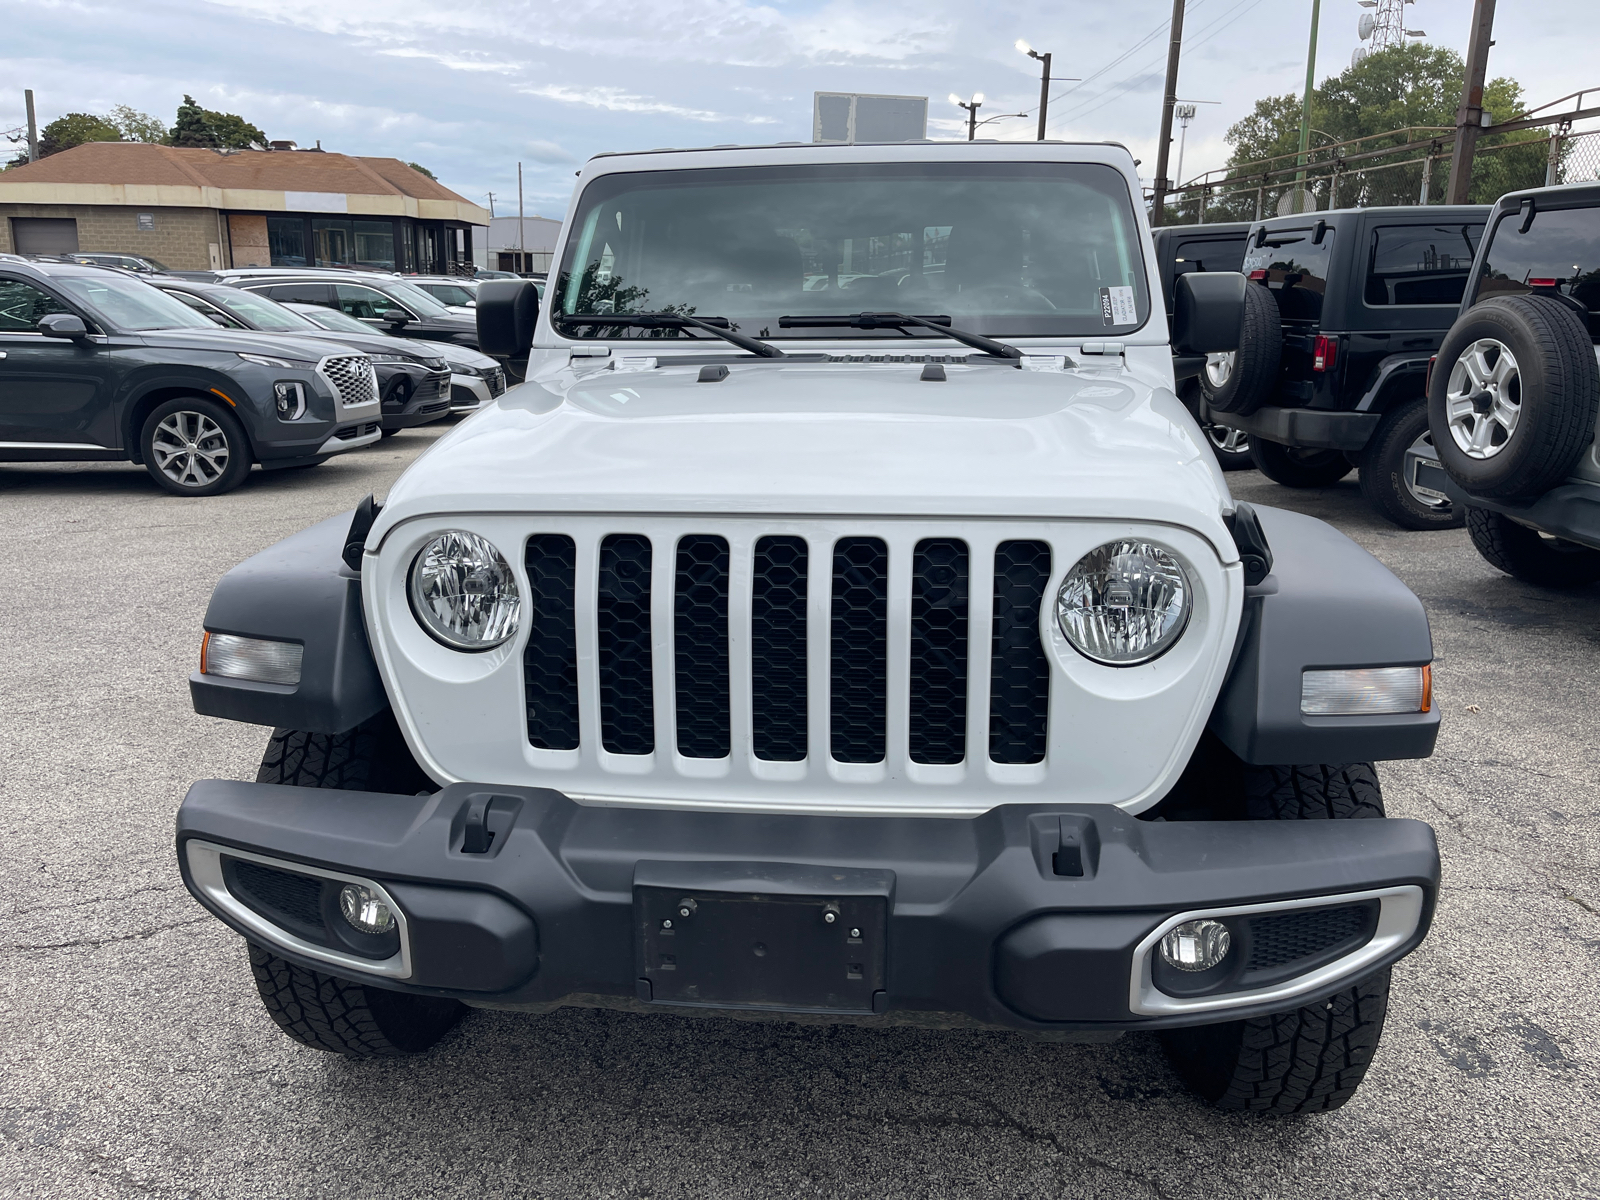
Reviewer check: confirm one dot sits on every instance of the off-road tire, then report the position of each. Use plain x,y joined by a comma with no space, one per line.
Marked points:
220,425
1383,472
1299,467
1255,363
332,1014
1312,1058
1527,555
1559,395
372,757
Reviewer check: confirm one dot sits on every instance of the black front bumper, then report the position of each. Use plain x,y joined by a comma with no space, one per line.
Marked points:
974,918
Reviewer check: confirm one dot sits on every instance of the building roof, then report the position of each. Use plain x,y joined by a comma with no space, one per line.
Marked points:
142,174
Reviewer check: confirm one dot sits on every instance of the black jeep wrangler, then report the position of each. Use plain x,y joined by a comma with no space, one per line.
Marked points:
1332,369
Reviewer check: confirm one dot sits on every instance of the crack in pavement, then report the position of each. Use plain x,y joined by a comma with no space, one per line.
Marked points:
97,942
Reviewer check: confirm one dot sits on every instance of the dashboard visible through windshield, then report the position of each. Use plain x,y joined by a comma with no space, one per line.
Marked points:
1002,249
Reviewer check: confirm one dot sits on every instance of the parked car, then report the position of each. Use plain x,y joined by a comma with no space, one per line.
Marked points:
475,378
384,303
143,264
1181,249
1331,374
452,291
1514,395
413,377
484,273
96,365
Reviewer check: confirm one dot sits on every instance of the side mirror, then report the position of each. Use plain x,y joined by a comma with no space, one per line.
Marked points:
507,311
1207,312
62,325
396,318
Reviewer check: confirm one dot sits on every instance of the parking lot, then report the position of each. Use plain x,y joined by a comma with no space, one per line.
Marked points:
137,1060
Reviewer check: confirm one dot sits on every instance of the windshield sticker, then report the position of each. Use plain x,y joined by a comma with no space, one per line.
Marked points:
1117,307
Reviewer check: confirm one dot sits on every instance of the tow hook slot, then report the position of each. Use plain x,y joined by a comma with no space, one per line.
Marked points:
482,822
1065,845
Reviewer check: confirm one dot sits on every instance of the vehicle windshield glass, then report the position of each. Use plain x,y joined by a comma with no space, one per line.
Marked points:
1296,267
1003,249
332,318
1561,245
130,304
418,300
450,293
260,312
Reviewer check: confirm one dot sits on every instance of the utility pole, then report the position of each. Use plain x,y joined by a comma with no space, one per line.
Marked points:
491,205
522,259
1305,106
33,128
1163,184
1469,116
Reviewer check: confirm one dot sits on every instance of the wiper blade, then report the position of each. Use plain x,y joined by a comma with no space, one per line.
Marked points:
894,320
664,320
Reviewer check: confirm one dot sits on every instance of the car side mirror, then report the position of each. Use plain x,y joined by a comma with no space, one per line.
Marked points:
394,317
62,325
508,310
1207,312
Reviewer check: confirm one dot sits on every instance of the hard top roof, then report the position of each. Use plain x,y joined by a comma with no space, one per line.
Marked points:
1570,195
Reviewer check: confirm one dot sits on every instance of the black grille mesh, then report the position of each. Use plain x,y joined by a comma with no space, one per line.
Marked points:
280,893
1019,688
859,649
700,647
939,574
627,706
778,649
550,663
1279,938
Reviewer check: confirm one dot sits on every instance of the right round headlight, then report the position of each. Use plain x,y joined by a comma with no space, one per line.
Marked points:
463,592
1124,603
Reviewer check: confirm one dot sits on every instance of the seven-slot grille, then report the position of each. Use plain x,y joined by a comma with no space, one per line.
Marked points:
779,575
352,377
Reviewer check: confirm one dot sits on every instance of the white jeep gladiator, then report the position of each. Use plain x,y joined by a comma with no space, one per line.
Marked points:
843,620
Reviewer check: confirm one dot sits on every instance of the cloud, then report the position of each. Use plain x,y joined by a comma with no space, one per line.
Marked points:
548,152
454,62
616,100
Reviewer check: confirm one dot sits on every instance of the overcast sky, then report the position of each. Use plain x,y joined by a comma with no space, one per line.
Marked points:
469,87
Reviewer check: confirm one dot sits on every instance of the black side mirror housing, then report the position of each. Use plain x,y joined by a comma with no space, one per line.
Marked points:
62,325
1207,312
396,318
507,311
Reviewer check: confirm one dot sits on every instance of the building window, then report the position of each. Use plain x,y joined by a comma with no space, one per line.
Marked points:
286,240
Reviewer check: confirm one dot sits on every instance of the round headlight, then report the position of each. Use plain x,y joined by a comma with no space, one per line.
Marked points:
463,593
1124,603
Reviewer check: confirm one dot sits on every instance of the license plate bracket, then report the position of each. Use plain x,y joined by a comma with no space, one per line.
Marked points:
766,936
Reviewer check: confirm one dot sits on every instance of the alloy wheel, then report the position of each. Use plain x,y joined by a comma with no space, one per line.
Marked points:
1229,441
1483,402
1219,368
190,449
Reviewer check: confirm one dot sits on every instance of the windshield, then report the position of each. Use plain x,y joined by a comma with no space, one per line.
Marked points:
1004,249
423,304
332,318
1561,245
451,293
131,304
260,312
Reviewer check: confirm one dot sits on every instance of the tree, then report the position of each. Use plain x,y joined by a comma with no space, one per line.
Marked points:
419,168
135,126
74,129
196,126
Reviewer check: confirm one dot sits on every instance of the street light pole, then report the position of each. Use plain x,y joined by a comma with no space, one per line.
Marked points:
1305,108
972,106
1044,82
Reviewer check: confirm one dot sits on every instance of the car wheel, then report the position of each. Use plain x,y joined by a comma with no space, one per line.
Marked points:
1529,555
1384,481
1514,396
195,447
1231,446
1297,466
1314,1057
1240,381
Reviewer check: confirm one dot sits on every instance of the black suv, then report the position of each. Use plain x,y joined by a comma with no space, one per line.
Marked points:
387,303
413,379
96,365
1514,397
1331,370
1181,249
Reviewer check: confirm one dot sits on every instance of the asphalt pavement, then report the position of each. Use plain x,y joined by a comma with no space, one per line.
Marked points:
135,1059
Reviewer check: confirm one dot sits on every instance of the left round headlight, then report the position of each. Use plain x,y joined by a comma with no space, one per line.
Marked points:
1124,603
463,593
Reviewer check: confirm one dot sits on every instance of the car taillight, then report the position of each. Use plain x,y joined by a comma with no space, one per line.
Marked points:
1323,351
1257,276
1548,283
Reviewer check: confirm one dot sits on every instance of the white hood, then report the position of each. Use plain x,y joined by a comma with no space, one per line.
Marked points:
828,439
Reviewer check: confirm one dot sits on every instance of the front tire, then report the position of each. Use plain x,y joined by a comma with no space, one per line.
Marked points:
1383,472
1528,555
1298,467
195,447
1311,1058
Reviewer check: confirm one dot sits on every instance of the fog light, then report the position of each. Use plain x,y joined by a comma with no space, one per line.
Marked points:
290,400
1194,945
255,659
364,910
1365,692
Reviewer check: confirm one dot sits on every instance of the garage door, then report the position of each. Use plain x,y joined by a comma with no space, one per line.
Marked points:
45,235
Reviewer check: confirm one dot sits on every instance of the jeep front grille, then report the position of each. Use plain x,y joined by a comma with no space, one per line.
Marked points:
758,659
352,378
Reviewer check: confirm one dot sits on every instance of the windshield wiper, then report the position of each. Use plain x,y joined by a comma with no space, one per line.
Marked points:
894,320
663,320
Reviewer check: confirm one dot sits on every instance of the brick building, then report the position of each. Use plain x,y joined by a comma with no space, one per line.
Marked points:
197,209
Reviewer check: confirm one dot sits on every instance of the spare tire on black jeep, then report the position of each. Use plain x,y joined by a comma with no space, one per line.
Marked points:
1513,396
1241,380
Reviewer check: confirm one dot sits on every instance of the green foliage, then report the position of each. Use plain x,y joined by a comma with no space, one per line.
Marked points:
135,126
196,126
422,170
74,129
